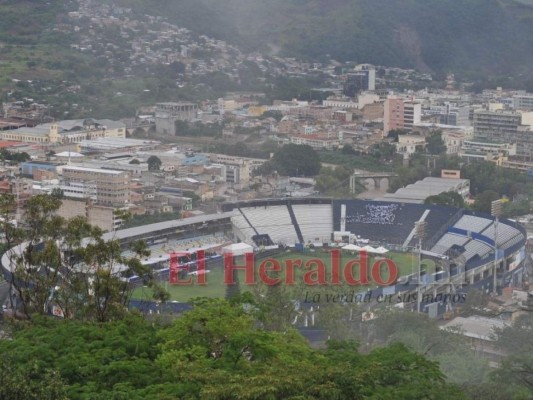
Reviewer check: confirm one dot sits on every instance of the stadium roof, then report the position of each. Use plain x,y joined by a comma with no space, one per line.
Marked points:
419,191
176,223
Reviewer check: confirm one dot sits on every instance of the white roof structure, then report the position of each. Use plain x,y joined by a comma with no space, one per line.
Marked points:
69,154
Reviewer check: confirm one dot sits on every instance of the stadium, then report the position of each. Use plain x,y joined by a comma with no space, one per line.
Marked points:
459,248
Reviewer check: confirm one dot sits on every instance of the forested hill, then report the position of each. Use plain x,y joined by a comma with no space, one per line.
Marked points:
477,36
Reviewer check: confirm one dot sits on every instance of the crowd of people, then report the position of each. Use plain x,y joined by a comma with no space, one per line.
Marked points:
375,214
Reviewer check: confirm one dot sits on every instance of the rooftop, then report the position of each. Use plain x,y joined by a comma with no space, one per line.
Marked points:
476,326
97,170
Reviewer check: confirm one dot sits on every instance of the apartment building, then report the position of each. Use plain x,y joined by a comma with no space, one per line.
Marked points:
103,187
412,114
401,114
523,102
500,126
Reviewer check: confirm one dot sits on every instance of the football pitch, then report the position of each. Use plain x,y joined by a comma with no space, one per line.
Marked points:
215,286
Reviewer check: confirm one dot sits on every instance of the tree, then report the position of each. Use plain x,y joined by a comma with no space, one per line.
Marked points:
347,149
334,182
29,382
218,350
296,160
66,264
57,193
277,115
135,162
434,143
154,163
483,201
452,199
517,341
394,133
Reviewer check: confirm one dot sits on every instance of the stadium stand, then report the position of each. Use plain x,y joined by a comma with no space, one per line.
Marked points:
505,233
295,223
272,220
315,222
378,221
241,223
447,241
475,247
472,223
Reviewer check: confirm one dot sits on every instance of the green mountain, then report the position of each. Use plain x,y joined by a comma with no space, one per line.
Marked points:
469,36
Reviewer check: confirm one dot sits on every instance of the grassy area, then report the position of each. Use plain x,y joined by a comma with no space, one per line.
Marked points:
215,287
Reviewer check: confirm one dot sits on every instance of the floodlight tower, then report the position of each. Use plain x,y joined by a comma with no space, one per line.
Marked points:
496,211
420,234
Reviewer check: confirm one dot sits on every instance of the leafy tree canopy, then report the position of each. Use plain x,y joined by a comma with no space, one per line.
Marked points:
294,160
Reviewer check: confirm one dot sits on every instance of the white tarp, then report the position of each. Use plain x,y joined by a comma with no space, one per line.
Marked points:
238,249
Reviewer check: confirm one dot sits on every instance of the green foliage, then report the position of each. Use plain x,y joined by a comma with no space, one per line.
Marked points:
451,199
434,143
91,359
487,176
334,182
516,208
439,35
484,200
6,155
394,133
29,382
154,163
272,114
423,336
65,263
516,371
293,160
219,350
198,129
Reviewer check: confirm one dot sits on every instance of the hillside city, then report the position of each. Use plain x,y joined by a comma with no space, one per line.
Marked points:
189,143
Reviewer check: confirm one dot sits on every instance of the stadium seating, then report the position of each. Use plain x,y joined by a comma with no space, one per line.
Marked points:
272,220
315,221
476,247
379,221
472,223
505,233
447,241
243,227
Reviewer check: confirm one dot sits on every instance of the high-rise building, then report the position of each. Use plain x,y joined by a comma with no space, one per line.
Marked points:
412,114
361,79
401,114
393,115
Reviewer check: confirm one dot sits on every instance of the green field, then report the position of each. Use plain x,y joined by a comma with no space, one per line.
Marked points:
215,287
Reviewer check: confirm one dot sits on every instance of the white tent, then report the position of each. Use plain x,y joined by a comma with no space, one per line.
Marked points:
238,249
381,250
352,247
369,249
